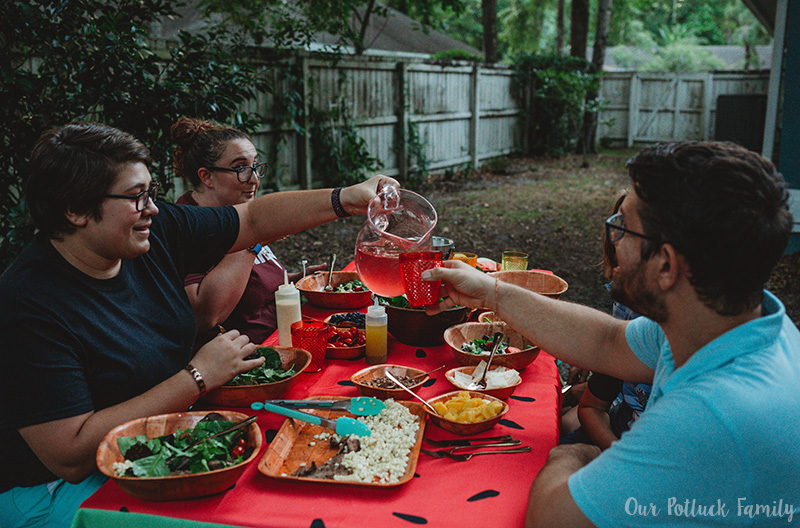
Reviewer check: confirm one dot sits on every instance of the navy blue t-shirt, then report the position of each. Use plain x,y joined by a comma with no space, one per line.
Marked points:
72,344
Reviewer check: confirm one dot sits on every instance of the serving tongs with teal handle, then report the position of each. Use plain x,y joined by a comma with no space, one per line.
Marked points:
344,426
360,406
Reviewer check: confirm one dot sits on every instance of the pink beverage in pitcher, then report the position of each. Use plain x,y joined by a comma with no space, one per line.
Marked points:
378,268
398,221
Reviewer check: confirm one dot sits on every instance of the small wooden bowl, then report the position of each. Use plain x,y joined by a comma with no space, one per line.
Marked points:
179,486
456,336
376,371
244,395
461,428
536,281
501,393
313,288
344,352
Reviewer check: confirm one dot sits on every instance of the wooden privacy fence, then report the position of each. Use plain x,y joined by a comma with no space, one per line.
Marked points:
459,114
648,107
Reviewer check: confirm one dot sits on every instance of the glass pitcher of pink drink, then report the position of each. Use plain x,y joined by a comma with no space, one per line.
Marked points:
398,221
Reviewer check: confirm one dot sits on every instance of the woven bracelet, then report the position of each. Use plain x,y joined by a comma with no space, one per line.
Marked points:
337,204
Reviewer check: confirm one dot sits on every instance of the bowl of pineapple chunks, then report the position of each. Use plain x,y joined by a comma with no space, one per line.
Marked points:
466,412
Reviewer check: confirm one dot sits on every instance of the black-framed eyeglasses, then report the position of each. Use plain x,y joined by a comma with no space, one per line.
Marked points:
243,172
615,229
142,198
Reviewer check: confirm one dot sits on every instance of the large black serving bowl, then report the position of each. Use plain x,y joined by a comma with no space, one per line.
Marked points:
416,328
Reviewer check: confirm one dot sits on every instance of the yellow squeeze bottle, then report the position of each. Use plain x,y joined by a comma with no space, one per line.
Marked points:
377,332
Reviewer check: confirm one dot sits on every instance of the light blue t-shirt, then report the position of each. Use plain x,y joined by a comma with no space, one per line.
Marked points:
718,442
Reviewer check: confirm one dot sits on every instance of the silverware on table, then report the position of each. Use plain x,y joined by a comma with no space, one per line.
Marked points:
461,457
447,452
469,441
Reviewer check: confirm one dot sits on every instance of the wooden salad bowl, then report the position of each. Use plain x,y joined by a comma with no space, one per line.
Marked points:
456,336
178,486
244,395
313,288
536,281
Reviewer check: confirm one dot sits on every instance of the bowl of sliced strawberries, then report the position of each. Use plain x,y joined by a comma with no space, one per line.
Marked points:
348,338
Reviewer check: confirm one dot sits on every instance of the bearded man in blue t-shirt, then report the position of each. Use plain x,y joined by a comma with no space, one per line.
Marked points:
696,240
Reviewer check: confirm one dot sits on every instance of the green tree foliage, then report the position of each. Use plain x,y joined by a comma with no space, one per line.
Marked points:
528,26
283,24
70,60
553,92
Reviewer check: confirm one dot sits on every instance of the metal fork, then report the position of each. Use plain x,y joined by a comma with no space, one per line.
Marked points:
445,452
466,456
475,442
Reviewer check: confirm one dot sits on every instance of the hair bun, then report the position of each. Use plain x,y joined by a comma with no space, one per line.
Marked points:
186,130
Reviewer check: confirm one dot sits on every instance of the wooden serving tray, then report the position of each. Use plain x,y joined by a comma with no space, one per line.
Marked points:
292,446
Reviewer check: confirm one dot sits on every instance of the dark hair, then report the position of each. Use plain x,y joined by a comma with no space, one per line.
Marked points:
199,144
72,168
723,207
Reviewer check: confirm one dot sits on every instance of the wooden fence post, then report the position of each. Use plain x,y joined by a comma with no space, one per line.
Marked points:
475,111
401,137
633,108
304,142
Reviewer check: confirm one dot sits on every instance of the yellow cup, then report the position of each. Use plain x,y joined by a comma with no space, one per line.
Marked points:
514,260
469,258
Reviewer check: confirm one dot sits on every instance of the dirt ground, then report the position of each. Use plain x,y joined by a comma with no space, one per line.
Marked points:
552,209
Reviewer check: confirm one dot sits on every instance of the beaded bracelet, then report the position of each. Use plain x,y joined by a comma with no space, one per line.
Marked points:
337,204
197,378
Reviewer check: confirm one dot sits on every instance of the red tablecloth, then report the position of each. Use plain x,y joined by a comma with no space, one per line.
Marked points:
485,491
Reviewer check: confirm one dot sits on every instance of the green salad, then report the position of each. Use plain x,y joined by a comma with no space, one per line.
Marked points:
350,287
401,301
174,454
483,345
270,372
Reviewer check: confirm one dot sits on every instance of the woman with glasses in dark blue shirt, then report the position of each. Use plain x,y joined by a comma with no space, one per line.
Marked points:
96,326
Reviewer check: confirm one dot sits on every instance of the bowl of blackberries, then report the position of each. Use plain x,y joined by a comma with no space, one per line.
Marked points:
348,338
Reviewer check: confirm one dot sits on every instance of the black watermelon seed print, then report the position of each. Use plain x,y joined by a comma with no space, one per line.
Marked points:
488,494
421,353
429,382
124,509
526,399
509,423
416,475
269,435
317,523
411,518
346,383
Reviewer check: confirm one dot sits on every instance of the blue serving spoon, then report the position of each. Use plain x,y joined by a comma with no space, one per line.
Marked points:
344,426
360,406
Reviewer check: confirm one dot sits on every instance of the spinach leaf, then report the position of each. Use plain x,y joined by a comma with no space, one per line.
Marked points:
270,372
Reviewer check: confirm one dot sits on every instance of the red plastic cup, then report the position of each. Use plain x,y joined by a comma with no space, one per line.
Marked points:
420,292
312,336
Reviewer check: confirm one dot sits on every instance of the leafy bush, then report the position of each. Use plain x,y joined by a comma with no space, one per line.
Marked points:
456,54
71,60
553,90
339,153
